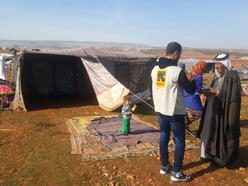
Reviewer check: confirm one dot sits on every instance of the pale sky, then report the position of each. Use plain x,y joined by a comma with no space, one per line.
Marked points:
193,23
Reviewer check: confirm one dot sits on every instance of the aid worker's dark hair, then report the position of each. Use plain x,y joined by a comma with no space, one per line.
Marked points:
173,47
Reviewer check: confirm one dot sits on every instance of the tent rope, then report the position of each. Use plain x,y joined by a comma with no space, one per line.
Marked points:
131,91
97,59
154,108
142,100
145,101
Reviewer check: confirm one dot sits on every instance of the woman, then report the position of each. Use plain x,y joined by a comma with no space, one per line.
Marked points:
194,102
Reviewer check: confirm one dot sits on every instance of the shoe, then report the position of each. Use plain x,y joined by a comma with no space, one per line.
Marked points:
205,160
165,169
179,176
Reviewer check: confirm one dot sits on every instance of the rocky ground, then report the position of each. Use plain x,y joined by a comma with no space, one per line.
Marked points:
35,150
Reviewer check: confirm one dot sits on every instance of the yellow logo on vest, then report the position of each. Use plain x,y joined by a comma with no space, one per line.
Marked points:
161,78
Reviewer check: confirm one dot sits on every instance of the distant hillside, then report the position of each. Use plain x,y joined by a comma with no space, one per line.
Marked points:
198,53
62,44
233,52
157,51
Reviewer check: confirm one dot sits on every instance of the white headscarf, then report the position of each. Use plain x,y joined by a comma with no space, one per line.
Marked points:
227,61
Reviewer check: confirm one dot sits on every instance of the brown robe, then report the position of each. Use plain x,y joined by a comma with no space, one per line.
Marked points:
220,123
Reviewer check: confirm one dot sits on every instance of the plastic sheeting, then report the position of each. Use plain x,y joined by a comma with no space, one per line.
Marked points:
18,102
109,91
243,71
2,67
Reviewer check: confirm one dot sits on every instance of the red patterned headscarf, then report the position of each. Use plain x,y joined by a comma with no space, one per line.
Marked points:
199,68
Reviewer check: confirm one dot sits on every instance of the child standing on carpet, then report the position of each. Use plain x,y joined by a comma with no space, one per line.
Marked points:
126,114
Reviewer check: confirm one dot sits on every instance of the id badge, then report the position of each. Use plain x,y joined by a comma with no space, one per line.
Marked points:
161,78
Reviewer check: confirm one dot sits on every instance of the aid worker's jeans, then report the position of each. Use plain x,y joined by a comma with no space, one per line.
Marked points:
177,126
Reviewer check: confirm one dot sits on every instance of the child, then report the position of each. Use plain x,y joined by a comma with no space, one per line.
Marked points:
126,114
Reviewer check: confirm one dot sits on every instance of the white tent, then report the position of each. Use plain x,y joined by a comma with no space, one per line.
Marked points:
2,67
188,64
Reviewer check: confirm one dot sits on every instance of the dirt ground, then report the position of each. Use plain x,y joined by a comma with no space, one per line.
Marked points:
35,150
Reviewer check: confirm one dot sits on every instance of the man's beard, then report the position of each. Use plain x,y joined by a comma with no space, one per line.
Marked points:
218,75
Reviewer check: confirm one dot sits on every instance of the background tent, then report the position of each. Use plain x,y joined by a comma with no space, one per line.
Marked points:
188,64
2,67
80,72
243,73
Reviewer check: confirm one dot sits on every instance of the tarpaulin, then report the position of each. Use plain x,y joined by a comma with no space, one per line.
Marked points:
109,91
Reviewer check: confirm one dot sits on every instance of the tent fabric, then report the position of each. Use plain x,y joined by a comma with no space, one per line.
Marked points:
243,71
2,68
141,95
109,91
92,52
132,73
47,74
85,71
18,102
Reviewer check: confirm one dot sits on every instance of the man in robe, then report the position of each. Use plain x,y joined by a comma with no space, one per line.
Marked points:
220,123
